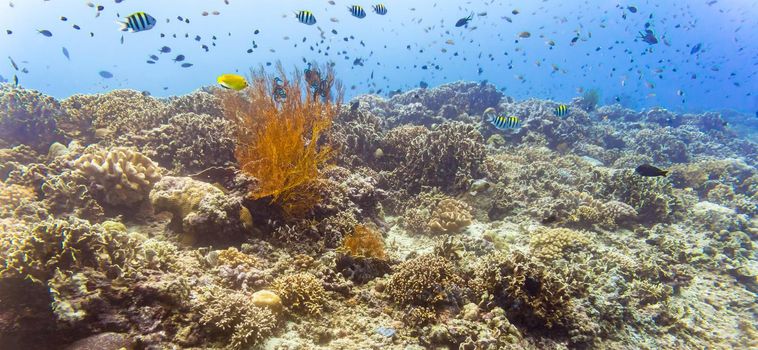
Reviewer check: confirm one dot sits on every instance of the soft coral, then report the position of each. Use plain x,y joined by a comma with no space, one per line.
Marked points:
279,141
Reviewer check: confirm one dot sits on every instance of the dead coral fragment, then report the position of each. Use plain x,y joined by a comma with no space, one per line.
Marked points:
279,142
301,292
124,176
450,216
425,280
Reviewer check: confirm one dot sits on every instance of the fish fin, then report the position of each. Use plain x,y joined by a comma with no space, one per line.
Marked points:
665,172
123,26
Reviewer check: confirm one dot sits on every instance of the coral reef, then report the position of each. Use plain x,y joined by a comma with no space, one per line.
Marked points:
201,211
28,118
385,223
187,142
120,175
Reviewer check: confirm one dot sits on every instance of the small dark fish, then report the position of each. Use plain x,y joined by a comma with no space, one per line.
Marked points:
354,106
15,80
649,37
65,53
154,57
106,74
146,93
648,170
632,9
8,31
63,18
76,26
150,62
186,65
279,93
45,32
464,21
122,40
358,62
13,63
696,48
165,49
179,58
422,84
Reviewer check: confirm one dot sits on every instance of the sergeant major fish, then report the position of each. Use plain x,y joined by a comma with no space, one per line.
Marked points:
137,22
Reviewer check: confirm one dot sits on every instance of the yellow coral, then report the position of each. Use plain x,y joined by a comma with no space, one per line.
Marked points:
300,292
125,176
280,142
233,257
365,243
450,216
552,243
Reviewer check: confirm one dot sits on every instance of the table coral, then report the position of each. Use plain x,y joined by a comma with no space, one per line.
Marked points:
120,175
200,210
28,117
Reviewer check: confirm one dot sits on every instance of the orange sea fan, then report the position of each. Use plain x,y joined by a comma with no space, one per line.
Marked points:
281,142
364,243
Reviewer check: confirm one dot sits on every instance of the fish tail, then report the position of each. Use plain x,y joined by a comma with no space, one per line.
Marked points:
123,26
665,172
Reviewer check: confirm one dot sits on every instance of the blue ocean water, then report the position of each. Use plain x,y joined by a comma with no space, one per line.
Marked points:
572,46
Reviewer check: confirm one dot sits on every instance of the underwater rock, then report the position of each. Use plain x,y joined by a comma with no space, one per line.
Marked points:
120,176
28,117
267,298
201,211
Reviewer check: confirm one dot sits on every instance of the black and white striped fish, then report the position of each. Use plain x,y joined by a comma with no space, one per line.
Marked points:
138,22
357,11
306,17
380,9
505,123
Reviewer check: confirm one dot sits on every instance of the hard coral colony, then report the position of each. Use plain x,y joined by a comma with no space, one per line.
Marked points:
407,222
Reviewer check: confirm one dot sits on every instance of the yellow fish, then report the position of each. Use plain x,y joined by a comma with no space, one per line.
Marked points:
232,81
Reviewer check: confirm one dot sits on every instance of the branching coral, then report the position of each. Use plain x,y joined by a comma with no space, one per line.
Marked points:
28,117
364,242
279,142
121,175
301,292
232,312
425,280
653,198
59,244
188,142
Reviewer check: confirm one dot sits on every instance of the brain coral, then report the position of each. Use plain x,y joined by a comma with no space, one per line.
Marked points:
120,175
28,117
